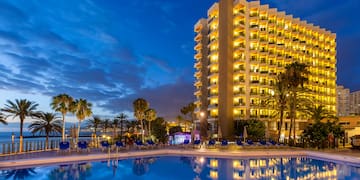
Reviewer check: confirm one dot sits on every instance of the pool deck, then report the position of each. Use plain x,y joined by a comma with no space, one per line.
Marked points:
351,157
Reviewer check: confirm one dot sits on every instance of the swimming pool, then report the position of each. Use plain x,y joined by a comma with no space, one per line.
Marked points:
192,167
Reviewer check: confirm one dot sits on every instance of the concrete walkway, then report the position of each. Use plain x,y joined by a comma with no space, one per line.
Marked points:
53,157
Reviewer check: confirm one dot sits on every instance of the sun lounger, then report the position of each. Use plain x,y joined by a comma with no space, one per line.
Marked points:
186,143
140,145
119,145
197,143
224,143
83,146
104,145
64,146
211,143
239,143
151,143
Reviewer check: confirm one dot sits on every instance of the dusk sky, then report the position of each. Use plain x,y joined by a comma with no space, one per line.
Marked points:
112,52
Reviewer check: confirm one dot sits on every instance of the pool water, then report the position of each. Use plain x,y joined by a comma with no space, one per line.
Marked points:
191,168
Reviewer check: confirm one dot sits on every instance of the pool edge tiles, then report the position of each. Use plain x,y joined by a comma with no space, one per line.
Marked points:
173,152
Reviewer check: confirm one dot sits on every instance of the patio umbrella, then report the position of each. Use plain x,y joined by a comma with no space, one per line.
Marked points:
245,135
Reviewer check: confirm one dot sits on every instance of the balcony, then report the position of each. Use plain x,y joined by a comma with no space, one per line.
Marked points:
197,65
198,83
198,56
254,81
197,93
197,74
198,37
198,47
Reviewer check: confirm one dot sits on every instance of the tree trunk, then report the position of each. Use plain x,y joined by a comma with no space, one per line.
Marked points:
294,117
149,128
63,128
121,129
78,132
142,130
47,141
21,134
280,124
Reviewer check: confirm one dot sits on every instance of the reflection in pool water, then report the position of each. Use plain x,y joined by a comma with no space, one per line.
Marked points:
196,168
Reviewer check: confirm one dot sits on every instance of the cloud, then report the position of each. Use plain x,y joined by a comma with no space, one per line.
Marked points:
162,64
167,99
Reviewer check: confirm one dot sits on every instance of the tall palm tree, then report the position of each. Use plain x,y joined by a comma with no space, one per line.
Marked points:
179,119
106,124
115,125
122,118
279,95
95,123
62,103
81,109
47,123
140,106
296,75
21,108
2,119
150,115
190,111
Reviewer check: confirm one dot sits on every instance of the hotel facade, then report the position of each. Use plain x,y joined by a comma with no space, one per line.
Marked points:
241,47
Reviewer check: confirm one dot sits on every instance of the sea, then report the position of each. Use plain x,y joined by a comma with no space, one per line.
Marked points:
11,133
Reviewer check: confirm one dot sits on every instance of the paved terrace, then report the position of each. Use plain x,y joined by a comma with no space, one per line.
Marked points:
351,157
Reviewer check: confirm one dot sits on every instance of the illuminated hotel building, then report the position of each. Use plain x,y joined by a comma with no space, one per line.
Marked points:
240,48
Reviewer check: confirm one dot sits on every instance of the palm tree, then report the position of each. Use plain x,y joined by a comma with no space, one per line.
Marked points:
140,106
2,119
106,124
190,109
179,119
279,95
122,118
21,108
318,113
95,122
150,115
47,123
62,103
295,74
81,109
115,124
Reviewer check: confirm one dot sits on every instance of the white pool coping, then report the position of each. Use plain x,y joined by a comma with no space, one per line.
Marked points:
38,161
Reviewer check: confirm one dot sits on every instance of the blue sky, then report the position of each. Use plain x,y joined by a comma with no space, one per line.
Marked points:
112,52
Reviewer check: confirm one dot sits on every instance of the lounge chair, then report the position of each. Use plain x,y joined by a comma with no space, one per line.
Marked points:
139,144
263,142
151,143
211,143
119,145
197,143
186,143
224,143
272,142
83,146
104,145
239,143
64,146
249,143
